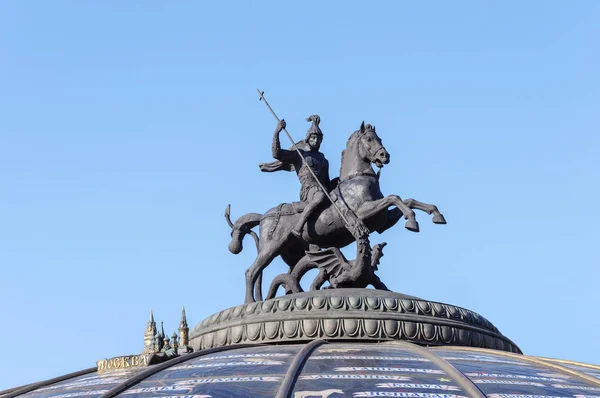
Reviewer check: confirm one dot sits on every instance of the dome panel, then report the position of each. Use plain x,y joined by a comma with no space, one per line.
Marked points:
245,372
365,370
338,368
590,370
92,384
513,376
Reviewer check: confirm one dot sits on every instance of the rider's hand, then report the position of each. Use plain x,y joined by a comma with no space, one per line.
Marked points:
281,125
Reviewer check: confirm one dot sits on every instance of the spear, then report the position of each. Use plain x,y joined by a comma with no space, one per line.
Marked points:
262,98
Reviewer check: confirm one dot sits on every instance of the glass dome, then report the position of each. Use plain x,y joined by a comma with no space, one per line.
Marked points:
334,369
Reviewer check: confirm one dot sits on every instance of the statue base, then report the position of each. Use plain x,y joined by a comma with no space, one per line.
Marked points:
348,314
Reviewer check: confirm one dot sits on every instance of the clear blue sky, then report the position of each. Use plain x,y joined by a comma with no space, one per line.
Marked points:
127,127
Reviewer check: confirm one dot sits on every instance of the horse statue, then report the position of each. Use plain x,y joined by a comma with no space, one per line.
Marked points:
357,194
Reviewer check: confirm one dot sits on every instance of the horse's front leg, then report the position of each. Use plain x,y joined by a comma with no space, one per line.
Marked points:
438,218
373,207
393,216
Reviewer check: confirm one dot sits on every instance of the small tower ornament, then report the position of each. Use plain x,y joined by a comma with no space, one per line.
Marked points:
149,335
158,343
167,344
174,342
183,334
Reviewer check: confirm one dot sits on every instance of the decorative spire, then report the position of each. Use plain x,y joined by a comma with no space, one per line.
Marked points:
149,334
183,331
183,323
151,324
162,330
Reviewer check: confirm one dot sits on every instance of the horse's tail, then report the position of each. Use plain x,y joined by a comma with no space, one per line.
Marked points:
240,228
291,285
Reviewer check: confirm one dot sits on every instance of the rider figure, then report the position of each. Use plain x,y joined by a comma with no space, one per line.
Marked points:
310,192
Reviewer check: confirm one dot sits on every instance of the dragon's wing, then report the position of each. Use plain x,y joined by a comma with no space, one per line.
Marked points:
331,260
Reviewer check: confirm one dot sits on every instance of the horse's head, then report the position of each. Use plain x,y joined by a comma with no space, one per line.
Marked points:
364,147
369,146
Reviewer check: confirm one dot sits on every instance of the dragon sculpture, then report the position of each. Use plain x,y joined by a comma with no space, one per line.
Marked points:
335,268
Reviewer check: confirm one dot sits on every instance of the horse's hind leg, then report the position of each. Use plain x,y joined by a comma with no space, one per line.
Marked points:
258,287
438,218
263,259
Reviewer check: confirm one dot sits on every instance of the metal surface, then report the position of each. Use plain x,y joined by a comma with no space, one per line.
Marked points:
348,314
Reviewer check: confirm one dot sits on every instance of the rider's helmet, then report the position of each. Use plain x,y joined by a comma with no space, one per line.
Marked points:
314,128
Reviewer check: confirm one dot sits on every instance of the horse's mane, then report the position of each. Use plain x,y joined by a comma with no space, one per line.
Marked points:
350,141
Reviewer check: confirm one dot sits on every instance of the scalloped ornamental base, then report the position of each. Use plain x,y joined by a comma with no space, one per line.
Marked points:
349,314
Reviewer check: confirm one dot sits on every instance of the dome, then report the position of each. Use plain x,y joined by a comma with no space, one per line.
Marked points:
334,369
332,343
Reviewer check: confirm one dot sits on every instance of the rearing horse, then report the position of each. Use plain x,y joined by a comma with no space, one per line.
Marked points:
358,192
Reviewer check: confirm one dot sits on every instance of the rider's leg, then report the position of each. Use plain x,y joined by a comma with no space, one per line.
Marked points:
317,199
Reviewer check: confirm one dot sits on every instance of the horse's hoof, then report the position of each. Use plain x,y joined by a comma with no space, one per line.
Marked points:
439,219
412,225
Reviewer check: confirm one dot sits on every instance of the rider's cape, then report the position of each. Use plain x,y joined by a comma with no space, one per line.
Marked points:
278,164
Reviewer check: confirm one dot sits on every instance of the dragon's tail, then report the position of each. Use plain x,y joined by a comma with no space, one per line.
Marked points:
291,285
302,267
240,228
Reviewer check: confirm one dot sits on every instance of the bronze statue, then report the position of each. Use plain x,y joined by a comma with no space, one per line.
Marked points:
306,156
355,204
358,193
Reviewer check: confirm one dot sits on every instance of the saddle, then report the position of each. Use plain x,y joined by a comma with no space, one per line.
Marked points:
299,206
288,209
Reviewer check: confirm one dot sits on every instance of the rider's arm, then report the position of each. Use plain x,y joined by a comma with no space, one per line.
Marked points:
278,153
327,183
